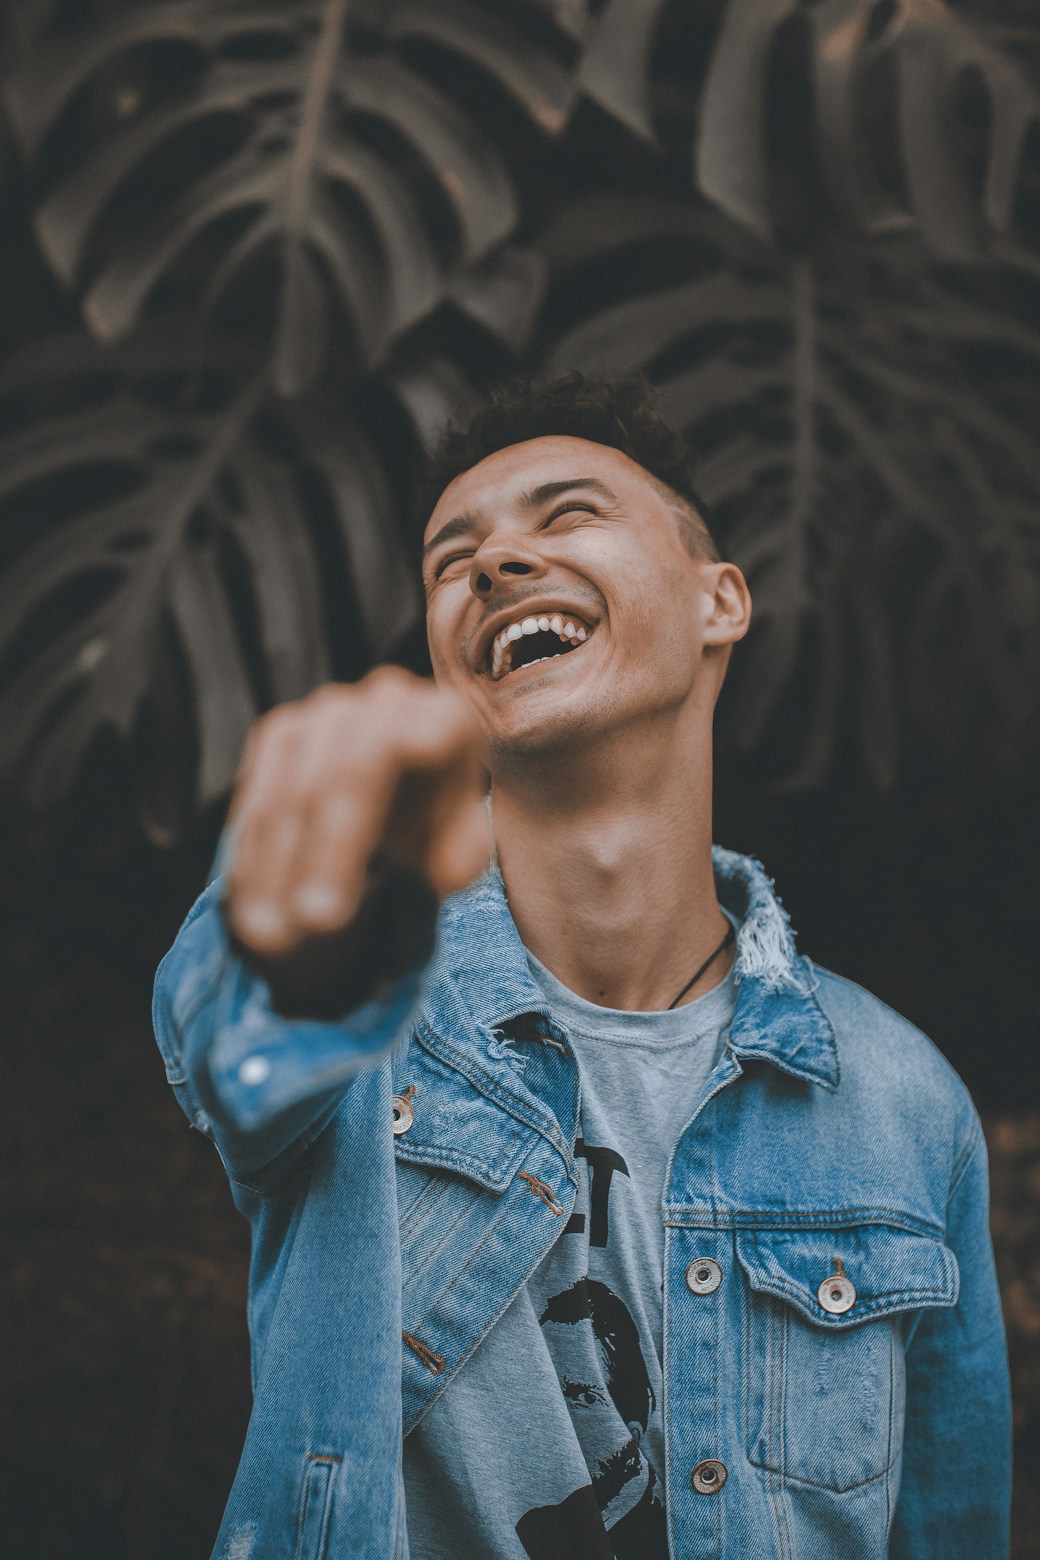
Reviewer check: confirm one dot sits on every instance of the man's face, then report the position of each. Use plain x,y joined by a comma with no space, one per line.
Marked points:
561,599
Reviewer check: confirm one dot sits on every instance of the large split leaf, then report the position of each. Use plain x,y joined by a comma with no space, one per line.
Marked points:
210,147
498,47
868,445
902,111
175,539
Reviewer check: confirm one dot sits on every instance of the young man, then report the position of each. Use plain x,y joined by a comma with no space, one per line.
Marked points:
614,1228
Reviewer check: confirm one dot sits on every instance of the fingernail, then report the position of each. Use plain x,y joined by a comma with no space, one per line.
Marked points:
261,918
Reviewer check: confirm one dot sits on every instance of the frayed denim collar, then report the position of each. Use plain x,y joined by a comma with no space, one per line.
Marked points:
481,971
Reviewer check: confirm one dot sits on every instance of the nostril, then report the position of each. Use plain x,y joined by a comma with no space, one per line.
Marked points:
515,568
483,583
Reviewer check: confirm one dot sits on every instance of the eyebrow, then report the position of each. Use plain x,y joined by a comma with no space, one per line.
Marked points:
460,525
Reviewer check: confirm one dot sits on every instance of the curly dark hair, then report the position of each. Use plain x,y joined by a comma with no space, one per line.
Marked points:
621,413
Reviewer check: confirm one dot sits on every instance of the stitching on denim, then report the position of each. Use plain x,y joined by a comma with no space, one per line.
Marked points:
784,1325
774,1449
458,1160
435,1188
463,1212
681,1217
449,1158
489,1087
771,1431
716,1436
880,1305
968,1155
845,1489
482,1334
891,1454
434,1362
478,1249
666,1407
302,1504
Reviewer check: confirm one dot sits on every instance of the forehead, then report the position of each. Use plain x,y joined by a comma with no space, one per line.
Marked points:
507,474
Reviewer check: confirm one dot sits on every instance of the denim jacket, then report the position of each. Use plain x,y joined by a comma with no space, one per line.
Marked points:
836,1374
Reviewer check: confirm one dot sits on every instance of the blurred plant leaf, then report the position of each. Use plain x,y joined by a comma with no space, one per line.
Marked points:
499,48
906,111
189,518
867,438
361,185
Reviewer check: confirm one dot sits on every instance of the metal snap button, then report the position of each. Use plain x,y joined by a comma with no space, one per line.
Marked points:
254,1070
703,1275
709,1476
837,1293
403,1111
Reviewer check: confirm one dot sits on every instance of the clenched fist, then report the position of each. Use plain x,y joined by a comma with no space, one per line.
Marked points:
357,809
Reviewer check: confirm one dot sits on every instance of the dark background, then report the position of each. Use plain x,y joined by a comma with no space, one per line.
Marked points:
842,311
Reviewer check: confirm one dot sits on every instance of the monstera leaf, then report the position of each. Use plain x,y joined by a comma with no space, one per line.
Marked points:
868,447
255,157
197,538
498,47
901,110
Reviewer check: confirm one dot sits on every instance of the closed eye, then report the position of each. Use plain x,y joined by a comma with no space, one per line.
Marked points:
565,509
450,559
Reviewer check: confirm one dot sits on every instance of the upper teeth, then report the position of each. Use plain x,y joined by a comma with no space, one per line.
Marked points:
565,628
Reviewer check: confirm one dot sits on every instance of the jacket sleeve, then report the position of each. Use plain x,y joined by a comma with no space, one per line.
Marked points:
956,1483
262,1087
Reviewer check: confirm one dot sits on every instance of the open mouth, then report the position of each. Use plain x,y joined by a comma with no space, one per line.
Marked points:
532,639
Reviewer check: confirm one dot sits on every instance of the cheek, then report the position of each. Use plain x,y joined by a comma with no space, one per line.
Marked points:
439,637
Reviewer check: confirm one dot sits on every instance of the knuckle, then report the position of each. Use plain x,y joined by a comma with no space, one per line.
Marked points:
388,682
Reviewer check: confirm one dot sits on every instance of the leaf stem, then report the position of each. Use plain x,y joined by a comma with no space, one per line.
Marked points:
312,108
803,300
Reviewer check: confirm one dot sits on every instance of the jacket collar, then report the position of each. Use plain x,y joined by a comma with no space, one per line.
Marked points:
482,962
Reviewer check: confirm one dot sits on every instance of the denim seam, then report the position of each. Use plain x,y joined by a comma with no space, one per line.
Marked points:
815,1484
774,1430
434,1189
762,1219
474,1254
475,1196
778,1331
967,1158
420,1154
879,1306
896,1343
666,1410
493,1090
451,1369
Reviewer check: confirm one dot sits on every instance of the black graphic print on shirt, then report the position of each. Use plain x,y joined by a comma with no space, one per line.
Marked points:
596,1349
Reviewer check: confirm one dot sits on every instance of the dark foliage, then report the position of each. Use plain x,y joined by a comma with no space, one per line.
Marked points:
298,237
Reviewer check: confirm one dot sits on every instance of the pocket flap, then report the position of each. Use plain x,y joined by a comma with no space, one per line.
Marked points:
890,1269
455,1127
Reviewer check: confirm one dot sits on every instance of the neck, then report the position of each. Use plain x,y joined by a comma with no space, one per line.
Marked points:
606,858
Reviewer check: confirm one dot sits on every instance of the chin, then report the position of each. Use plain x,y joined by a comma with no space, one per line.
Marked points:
530,735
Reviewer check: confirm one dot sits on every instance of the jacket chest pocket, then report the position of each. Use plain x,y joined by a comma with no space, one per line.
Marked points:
826,1322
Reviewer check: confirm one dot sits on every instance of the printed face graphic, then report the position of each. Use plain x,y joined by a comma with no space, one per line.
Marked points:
589,1324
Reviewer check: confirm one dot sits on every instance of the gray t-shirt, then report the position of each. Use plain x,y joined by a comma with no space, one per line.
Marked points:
550,1440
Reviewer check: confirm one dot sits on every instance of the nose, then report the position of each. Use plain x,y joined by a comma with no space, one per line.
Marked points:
499,560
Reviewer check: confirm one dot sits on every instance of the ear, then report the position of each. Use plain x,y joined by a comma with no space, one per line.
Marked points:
727,604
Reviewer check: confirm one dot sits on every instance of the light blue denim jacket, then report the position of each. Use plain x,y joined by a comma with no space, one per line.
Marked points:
831,1132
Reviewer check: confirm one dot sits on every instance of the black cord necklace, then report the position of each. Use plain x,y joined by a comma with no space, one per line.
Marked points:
709,961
